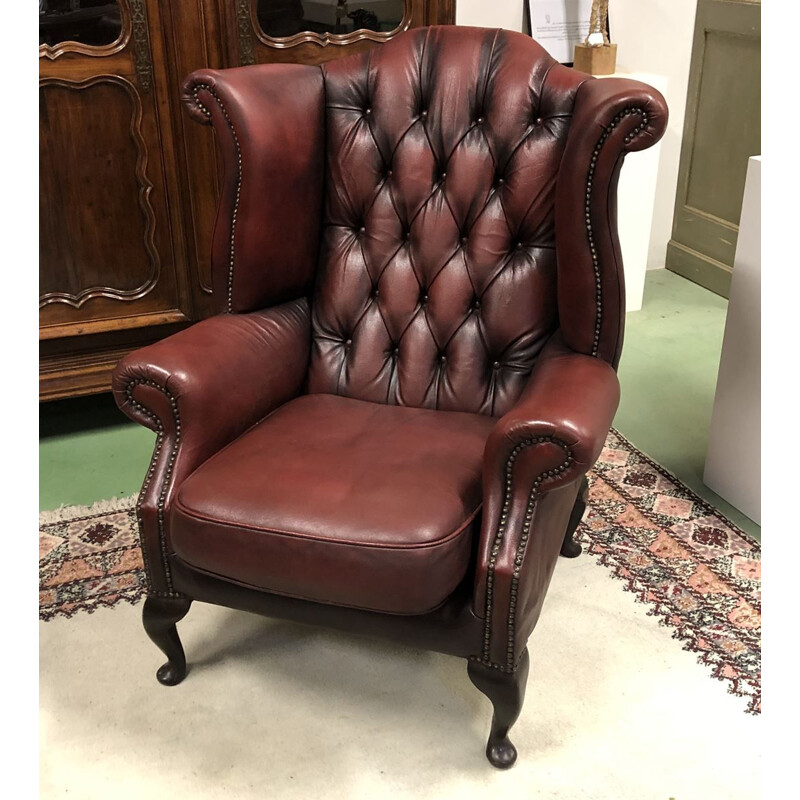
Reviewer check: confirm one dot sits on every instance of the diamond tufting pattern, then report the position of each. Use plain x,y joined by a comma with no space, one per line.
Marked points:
437,276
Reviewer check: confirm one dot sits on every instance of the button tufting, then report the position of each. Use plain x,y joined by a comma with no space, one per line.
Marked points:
375,294
442,359
464,240
367,110
476,304
496,365
348,342
520,245
362,229
539,120
423,114
424,297
480,120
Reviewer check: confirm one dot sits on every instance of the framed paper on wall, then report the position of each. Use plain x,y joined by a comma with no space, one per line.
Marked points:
558,25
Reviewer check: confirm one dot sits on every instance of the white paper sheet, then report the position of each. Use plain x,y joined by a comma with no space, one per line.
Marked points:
558,25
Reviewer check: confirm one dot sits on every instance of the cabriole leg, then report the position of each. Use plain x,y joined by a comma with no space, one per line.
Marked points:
570,548
159,617
507,692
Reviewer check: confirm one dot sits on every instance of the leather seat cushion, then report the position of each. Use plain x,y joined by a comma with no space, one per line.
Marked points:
340,501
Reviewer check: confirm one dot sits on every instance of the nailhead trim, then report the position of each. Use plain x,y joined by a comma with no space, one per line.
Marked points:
510,666
165,484
204,110
587,210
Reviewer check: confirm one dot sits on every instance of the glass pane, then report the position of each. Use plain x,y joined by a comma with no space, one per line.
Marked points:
92,22
287,17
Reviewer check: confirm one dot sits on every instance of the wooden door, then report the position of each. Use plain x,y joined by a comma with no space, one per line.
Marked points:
722,130
242,32
110,247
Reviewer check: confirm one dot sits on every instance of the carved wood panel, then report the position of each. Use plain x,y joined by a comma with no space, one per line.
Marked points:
112,264
94,193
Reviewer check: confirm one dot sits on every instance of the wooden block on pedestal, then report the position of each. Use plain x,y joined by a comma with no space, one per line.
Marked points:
600,60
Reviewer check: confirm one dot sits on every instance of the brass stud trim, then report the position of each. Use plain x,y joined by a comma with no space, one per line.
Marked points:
238,150
485,658
588,205
162,495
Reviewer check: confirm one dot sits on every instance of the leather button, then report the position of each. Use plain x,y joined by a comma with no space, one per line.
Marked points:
496,365
396,352
375,294
442,176
388,173
406,235
423,114
442,359
424,298
362,229
463,240
538,120
476,305
480,120
367,110
500,181
520,245
348,342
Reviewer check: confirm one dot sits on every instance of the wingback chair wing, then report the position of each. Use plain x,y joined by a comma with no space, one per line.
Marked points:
388,426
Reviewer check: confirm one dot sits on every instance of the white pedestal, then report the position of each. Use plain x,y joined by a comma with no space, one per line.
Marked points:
733,460
636,197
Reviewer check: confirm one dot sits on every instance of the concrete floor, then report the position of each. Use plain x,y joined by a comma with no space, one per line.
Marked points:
89,451
615,710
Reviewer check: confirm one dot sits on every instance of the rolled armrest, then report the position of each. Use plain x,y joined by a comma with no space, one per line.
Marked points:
199,390
533,460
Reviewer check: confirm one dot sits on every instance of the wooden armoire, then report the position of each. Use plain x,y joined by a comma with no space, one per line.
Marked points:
128,183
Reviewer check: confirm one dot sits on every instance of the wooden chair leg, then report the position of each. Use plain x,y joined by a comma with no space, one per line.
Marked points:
159,617
507,693
570,548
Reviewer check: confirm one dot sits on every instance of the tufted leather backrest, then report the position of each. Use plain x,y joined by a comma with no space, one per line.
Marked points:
437,278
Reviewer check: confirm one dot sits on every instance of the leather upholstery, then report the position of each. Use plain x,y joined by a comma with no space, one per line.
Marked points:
199,390
490,331
611,117
265,240
340,501
533,459
437,277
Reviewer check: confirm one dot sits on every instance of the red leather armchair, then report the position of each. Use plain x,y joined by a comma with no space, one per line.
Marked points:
388,426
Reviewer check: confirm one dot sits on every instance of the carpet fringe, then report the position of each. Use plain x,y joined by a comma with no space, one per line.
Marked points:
66,513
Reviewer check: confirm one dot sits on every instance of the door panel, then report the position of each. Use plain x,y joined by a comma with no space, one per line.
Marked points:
111,263
722,130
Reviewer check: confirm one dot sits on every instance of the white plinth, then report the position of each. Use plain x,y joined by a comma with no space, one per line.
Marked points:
636,197
733,461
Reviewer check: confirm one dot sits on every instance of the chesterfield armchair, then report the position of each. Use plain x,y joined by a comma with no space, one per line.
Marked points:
387,427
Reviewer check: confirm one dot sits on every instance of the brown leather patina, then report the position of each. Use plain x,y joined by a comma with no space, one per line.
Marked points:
422,307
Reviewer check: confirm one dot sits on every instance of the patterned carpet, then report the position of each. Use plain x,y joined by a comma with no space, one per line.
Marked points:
696,571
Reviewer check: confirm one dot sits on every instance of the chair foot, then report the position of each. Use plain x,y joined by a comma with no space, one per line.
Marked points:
159,617
570,548
507,693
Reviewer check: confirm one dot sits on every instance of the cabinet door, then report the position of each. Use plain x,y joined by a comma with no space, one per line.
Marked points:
110,248
265,31
722,130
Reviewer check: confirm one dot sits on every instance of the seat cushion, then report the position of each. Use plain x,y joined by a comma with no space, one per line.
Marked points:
340,501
